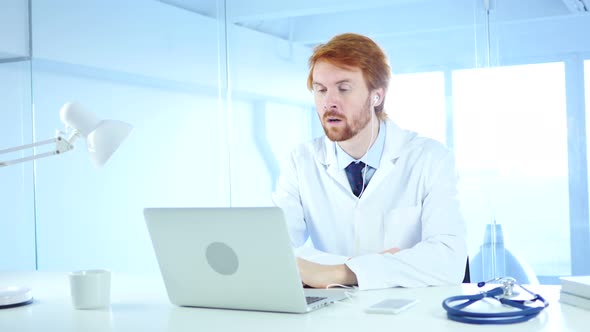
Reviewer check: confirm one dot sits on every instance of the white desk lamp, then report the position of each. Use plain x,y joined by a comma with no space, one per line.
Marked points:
103,137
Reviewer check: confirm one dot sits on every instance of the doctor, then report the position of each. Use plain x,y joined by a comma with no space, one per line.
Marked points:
379,203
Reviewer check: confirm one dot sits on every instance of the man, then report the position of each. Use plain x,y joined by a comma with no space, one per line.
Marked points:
379,203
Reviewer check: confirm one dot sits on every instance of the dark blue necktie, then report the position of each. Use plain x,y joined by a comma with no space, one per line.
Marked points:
354,171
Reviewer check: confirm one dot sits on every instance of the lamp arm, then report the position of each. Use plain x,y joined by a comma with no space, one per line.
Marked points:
61,145
26,146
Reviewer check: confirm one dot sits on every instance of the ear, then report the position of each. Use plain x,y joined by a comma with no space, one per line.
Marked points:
375,100
377,97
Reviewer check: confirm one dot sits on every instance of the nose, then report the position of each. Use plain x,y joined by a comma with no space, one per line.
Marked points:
330,101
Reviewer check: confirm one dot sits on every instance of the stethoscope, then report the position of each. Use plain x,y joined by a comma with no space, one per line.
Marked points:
501,294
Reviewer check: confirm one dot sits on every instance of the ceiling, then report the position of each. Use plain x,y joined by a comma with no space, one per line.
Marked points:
309,22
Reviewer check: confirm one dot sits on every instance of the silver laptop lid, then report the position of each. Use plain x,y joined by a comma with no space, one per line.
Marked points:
236,258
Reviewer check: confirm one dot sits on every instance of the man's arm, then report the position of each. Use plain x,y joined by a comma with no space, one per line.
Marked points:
321,275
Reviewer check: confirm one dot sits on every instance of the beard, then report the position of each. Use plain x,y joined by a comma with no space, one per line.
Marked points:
352,126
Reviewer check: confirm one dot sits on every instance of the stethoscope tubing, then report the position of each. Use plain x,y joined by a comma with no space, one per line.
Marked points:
456,313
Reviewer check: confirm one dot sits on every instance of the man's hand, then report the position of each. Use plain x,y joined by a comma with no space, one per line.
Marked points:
391,251
319,276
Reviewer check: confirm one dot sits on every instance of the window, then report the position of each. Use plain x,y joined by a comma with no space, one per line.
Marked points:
407,105
511,148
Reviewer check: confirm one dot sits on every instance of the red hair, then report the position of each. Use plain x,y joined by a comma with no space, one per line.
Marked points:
351,50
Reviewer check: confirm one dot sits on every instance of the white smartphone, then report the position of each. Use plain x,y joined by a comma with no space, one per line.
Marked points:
390,306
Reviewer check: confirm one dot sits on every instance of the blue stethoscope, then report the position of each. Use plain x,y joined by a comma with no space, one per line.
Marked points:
500,293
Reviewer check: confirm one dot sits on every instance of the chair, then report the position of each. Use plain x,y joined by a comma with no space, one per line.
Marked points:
506,264
467,277
511,266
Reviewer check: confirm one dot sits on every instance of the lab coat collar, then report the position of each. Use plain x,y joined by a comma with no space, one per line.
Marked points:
396,140
372,157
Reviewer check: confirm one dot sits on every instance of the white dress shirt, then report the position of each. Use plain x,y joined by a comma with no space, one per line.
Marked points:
372,157
411,203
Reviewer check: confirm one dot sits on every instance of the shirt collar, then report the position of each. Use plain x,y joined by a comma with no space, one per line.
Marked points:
371,158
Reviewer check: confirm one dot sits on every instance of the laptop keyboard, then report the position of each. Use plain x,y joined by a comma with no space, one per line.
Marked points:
313,299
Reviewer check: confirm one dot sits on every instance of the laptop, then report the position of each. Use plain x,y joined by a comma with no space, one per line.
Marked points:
231,258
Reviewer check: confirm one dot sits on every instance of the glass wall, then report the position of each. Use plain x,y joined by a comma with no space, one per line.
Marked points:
216,92
17,209
541,57
16,182
155,66
149,63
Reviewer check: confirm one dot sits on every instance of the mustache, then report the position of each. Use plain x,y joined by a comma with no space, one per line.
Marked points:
333,114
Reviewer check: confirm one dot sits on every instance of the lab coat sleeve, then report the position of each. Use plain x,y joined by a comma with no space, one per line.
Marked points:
286,196
440,257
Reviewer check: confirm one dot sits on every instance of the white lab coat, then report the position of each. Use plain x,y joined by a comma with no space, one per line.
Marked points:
410,203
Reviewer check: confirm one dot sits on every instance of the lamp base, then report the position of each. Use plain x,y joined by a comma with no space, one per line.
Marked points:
15,296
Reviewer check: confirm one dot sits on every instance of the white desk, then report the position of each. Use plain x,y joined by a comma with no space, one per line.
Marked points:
140,303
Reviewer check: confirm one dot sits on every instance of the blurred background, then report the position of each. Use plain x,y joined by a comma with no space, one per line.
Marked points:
216,92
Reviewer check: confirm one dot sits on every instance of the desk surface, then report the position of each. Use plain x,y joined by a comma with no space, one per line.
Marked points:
140,303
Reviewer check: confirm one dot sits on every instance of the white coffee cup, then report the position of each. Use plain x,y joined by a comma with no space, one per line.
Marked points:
90,289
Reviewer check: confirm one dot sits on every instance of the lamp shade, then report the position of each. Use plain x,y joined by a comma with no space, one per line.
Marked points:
105,139
102,137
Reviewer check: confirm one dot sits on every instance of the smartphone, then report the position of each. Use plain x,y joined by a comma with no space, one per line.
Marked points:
390,306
